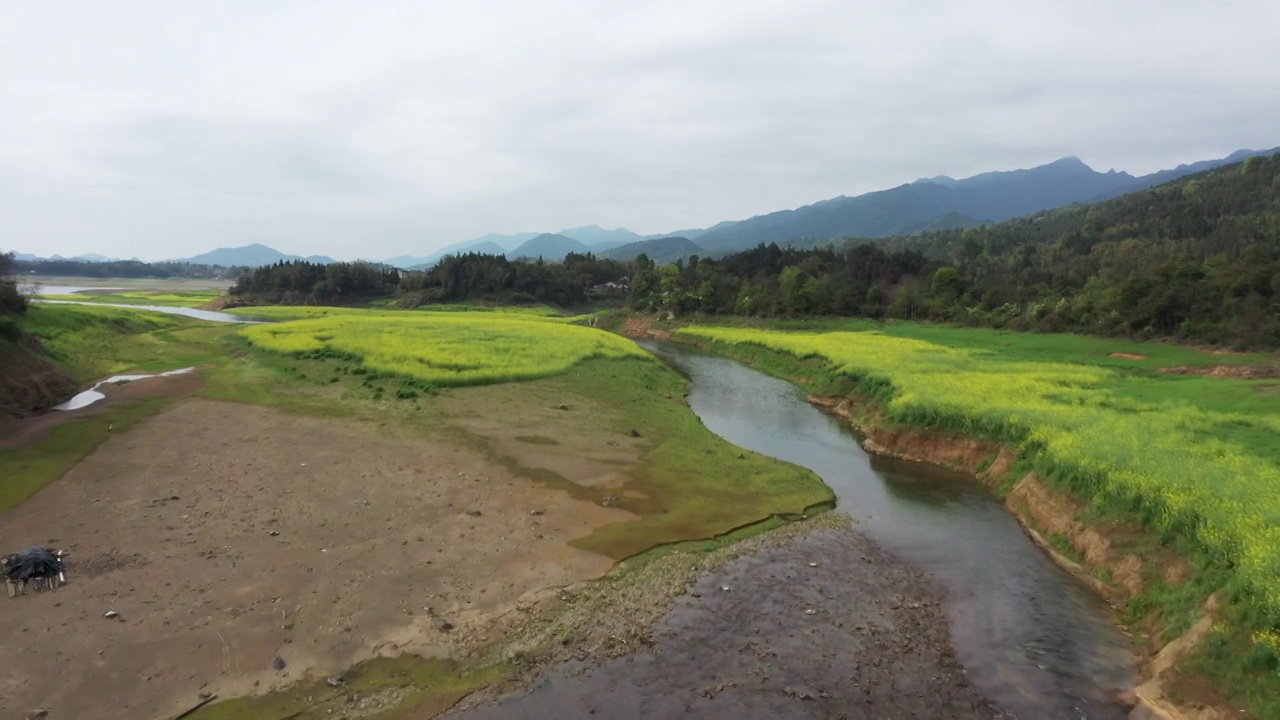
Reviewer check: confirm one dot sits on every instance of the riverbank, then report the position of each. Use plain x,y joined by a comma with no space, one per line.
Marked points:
1160,595
810,621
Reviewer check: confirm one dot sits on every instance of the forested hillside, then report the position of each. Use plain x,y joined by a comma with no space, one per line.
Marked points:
1197,259
941,202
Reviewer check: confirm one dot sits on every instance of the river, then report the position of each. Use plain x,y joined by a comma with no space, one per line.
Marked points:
1030,636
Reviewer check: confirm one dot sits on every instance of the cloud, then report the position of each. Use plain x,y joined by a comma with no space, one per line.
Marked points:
164,129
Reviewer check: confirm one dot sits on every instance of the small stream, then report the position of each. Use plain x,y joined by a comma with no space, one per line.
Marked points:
92,395
1031,637
210,315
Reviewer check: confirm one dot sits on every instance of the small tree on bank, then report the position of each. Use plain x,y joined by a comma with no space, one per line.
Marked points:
11,299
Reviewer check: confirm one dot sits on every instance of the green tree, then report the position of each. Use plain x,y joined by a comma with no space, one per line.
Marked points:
946,285
11,300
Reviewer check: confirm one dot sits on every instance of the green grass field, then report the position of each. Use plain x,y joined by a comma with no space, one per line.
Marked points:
444,349
171,298
93,342
1194,458
302,312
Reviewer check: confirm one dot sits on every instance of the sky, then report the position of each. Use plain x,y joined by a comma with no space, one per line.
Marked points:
371,129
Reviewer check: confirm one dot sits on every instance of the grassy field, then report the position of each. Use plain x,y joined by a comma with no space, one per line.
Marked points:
695,485
1195,458
302,312
116,283
170,298
93,342
444,349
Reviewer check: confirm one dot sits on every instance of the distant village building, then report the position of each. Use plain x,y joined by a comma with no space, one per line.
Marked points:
616,288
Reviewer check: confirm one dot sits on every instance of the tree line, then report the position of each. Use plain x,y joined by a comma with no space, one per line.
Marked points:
124,269
11,300
456,278
298,282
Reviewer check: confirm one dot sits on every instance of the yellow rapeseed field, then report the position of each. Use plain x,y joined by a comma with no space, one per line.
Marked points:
447,348
1188,467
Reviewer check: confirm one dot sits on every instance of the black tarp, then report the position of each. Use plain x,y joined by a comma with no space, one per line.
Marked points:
33,562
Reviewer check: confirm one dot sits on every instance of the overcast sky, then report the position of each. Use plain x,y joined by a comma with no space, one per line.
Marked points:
371,129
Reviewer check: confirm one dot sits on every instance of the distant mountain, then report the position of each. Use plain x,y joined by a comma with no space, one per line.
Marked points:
254,255
25,256
493,244
506,242
548,246
487,248
597,237
691,233
594,239
94,257
406,262
660,250
989,197
605,246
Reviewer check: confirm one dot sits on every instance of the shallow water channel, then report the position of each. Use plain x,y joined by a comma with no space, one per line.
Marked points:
210,315
1031,638
88,397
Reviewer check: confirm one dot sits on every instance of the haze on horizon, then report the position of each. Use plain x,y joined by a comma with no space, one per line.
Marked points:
163,130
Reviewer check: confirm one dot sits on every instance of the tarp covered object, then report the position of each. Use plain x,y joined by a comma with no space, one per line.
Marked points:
34,562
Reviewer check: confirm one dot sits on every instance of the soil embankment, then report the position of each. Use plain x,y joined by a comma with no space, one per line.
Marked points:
813,624
28,382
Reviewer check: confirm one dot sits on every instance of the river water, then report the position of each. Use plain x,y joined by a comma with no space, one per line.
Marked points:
1031,637
209,315
92,395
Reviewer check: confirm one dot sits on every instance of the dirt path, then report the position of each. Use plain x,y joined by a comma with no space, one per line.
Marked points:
228,535
858,636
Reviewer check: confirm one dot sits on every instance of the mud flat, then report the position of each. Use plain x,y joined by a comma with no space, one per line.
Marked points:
817,624
243,547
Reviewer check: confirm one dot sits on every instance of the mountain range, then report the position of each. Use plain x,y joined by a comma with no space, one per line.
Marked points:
252,255
941,203
87,257
936,203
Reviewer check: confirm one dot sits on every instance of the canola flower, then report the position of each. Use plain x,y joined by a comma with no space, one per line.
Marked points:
447,348
1183,467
